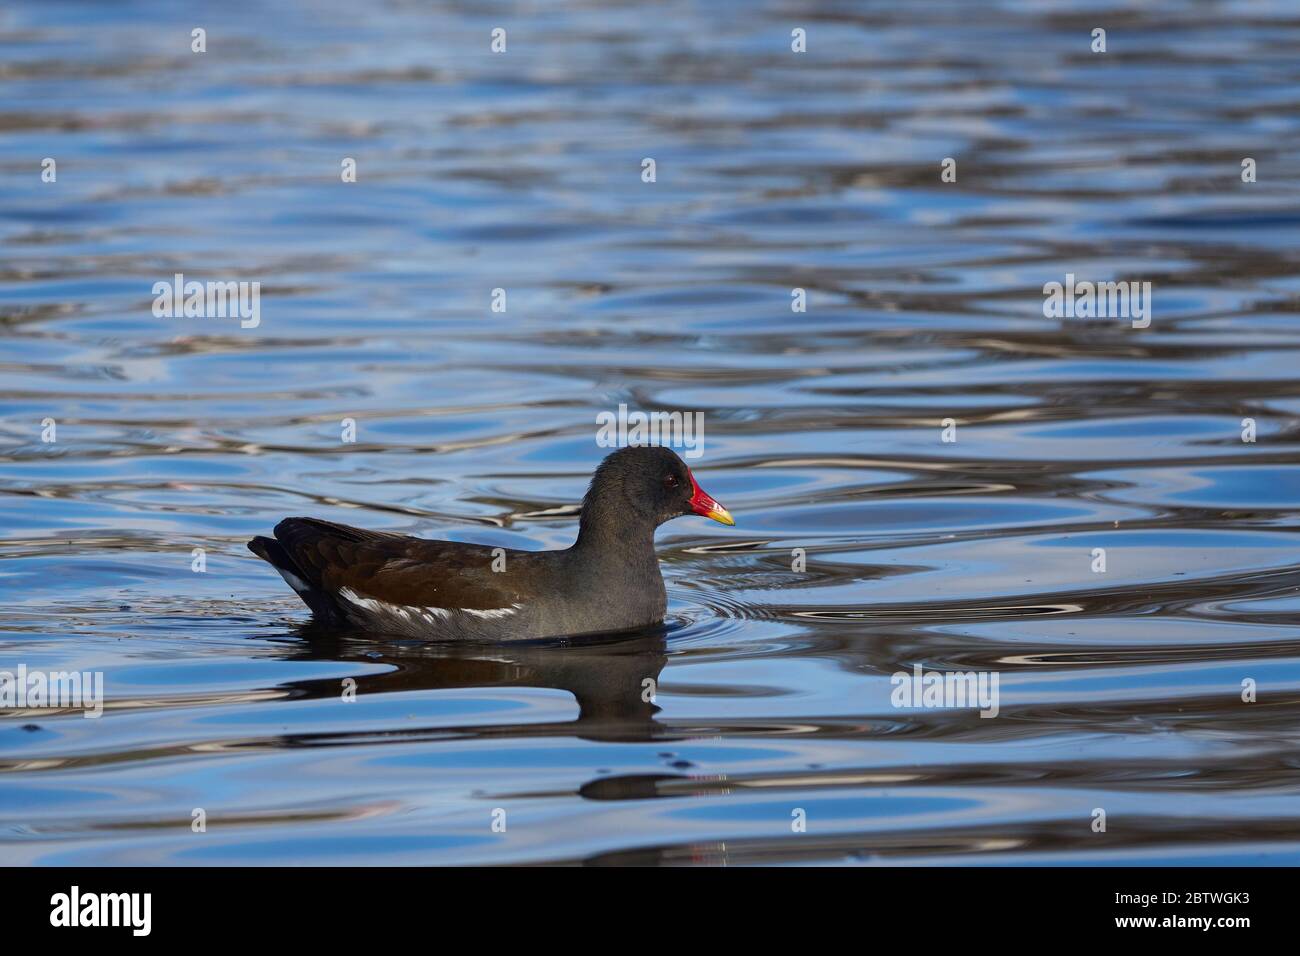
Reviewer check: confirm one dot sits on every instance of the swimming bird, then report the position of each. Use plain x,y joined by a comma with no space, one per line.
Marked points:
608,581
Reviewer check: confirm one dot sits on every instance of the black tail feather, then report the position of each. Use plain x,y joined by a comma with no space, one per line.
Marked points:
271,551
274,554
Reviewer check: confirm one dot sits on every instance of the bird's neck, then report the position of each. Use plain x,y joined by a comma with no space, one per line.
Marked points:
615,567
614,536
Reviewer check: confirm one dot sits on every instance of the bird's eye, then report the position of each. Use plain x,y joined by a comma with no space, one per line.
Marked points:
670,481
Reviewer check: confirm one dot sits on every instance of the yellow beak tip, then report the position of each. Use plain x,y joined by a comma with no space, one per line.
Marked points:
722,516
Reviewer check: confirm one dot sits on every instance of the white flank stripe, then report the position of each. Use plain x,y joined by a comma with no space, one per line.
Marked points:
370,604
429,614
493,612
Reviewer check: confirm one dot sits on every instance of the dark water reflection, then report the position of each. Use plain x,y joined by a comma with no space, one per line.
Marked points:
771,687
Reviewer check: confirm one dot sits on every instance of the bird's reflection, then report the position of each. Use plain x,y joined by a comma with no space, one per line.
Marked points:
614,679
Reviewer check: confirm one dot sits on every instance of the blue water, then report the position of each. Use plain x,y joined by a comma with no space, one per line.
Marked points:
1120,690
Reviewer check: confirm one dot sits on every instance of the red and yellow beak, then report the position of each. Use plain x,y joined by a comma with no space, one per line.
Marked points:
703,504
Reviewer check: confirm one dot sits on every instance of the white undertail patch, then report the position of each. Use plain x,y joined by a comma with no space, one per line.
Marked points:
291,579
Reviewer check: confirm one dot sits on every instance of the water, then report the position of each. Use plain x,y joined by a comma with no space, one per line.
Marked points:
1119,690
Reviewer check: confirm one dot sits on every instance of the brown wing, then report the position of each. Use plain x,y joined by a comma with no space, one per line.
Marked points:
398,569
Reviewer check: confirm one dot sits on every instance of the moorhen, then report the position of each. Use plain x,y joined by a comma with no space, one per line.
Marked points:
607,581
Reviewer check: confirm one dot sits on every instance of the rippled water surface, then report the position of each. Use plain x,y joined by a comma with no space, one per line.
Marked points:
1120,690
